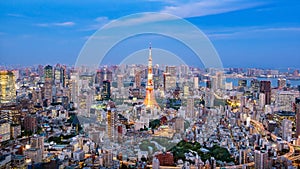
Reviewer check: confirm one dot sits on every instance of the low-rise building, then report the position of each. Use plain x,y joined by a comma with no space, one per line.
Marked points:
165,158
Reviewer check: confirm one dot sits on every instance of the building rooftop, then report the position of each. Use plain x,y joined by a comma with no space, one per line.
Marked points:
285,113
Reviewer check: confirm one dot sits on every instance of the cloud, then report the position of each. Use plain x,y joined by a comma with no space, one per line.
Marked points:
102,19
97,23
183,9
297,29
59,24
143,18
43,24
16,15
208,7
245,31
64,24
164,1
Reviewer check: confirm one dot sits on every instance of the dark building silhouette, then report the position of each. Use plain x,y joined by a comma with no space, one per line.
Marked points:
106,94
297,101
265,87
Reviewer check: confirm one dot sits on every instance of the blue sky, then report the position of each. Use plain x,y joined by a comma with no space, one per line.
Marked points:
246,33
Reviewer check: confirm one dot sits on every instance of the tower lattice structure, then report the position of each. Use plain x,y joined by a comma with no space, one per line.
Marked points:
150,101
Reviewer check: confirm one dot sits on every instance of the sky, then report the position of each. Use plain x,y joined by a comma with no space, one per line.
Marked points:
245,33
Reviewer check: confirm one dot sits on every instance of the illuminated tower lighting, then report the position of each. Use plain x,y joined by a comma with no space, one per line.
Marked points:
150,101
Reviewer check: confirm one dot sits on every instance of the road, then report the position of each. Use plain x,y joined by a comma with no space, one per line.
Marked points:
257,124
274,137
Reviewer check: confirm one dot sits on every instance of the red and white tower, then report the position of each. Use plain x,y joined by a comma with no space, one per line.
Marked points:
150,101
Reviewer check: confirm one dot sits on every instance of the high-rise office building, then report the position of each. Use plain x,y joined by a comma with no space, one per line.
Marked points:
169,82
48,75
242,83
208,84
48,72
284,100
281,83
196,82
157,81
209,99
111,118
7,87
40,70
109,75
261,159
243,155
30,123
265,87
60,75
170,78
186,91
297,102
120,82
106,93
190,110
255,84
137,79
107,157
171,70
99,77
287,129
218,81
4,130
37,142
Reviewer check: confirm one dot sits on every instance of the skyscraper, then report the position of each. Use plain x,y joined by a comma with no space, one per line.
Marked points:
281,83
48,75
37,142
255,84
109,75
111,118
7,86
170,78
169,82
105,94
120,82
218,80
150,101
297,101
137,79
196,82
171,70
242,83
265,87
260,159
287,130
60,75
208,84
190,110
99,77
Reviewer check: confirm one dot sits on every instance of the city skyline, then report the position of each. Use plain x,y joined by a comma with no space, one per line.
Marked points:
244,33
149,84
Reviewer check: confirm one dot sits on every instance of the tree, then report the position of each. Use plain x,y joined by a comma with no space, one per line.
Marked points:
144,159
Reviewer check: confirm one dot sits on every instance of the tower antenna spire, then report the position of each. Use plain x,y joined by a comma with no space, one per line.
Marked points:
150,53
